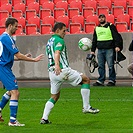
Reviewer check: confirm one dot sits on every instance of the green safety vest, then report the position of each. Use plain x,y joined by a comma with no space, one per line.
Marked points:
103,34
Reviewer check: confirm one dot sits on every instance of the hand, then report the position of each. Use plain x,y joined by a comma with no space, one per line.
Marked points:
93,53
117,49
57,70
38,58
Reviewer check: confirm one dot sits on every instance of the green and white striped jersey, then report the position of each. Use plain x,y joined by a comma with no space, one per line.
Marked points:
53,44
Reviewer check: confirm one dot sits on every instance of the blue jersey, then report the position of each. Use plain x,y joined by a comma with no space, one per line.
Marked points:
7,50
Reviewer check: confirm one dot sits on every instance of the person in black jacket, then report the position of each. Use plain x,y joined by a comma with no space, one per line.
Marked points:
106,39
130,66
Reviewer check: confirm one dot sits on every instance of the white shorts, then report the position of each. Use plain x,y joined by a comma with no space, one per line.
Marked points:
67,75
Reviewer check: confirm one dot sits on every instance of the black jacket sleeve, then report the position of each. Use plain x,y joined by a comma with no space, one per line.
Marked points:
94,42
131,46
116,36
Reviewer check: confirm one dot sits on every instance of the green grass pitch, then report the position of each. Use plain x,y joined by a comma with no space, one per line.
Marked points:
115,104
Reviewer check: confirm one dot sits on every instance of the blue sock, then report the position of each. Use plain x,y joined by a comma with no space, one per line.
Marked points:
4,100
13,110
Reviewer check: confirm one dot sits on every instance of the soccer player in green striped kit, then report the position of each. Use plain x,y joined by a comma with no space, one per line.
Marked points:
59,72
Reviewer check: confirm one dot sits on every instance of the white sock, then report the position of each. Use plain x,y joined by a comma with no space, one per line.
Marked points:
85,93
48,107
0,112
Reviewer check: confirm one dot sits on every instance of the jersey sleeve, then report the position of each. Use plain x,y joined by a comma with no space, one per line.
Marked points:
59,45
10,45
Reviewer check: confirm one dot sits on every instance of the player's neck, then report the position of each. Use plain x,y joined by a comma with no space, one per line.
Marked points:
8,32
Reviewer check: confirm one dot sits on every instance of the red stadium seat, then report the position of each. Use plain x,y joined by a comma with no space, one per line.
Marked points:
106,3
102,10
20,6
122,3
30,28
48,20
91,3
22,21
110,18
46,29
48,5
2,2
14,2
92,19
55,1
45,12
7,7
42,1
121,26
17,13
83,1
87,11
62,4
72,12
4,14
74,27
89,27
117,10
30,13
64,19
69,1
124,18
78,19
76,4
27,2
34,20
33,6
58,12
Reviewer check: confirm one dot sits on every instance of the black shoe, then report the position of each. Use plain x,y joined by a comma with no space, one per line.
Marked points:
111,84
42,121
98,84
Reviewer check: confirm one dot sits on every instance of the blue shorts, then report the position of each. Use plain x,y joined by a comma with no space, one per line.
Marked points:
8,79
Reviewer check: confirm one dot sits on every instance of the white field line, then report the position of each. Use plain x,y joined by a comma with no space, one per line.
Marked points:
104,100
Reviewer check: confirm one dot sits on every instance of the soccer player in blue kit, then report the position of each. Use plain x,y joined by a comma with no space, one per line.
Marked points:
9,52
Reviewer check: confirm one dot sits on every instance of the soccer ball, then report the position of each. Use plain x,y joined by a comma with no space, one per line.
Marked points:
85,44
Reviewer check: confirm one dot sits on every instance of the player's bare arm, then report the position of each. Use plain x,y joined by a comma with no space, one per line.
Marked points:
57,62
28,55
20,56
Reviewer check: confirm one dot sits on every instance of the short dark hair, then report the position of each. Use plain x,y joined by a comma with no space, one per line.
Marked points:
58,25
11,21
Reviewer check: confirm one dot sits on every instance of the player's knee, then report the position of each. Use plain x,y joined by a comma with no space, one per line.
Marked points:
55,96
85,79
14,93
